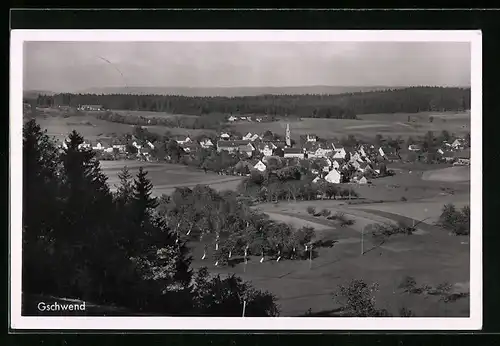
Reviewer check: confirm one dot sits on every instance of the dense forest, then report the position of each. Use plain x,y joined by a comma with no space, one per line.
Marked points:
341,106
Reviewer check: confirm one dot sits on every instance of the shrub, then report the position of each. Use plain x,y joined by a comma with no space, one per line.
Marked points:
408,284
457,221
326,212
311,210
403,199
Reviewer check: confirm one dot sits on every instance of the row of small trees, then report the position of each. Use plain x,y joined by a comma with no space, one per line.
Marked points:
82,241
291,183
231,227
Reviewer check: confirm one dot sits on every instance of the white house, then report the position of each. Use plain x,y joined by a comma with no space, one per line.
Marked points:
206,143
183,139
255,137
326,169
322,152
457,143
414,147
84,145
136,145
108,150
335,164
267,150
120,147
247,137
333,177
316,180
355,164
339,153
311,138
260,166
225,135
232,118
151,145
381,152
314,171
362,180
98,146
362,151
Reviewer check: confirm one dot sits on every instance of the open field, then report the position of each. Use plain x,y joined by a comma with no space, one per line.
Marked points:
431,258
166,177
92,128
367,127
450,174
430,255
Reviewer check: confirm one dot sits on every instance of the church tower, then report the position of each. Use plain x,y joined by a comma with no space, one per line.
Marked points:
287,136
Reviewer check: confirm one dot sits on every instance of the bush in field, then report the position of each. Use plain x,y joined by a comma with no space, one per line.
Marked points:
311,210
457,221
408,284
326,212
404,312
343,220
357,299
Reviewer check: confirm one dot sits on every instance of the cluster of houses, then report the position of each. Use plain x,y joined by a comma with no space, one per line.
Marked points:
241,118
330,157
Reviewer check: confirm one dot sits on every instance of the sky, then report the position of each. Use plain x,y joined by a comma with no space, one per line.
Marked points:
76,66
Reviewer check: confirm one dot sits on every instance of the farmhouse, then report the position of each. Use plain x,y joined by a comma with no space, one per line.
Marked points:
206,143
388,153
225,136
293,152
414,147
311,137
333,177
232,118
458,143
151,145
462,158
339,153
90,108
182,139
260,166
247,137
316,180
189,147
122,148
265,148
246,149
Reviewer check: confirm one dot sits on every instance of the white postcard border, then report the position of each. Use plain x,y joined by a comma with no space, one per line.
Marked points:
18,322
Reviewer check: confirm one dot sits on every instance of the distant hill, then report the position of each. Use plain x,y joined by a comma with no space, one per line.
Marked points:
236,91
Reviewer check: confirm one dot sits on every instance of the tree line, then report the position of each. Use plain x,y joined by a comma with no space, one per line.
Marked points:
340,106
82,241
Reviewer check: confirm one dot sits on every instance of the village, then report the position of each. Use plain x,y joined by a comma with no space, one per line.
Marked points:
324,160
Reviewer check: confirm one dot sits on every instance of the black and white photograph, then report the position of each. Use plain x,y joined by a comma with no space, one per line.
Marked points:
246,180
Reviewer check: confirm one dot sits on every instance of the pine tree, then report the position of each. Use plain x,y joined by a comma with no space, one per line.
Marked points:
125,191
40,208
142,200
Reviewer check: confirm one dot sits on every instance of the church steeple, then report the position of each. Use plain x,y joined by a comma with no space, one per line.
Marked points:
287,136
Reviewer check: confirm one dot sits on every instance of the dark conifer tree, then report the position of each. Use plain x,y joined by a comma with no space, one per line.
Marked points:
40,208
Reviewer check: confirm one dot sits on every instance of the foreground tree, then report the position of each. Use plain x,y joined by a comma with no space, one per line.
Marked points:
357,299
230,296
40,206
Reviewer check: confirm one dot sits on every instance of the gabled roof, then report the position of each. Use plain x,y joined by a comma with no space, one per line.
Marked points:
293,150
232,144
